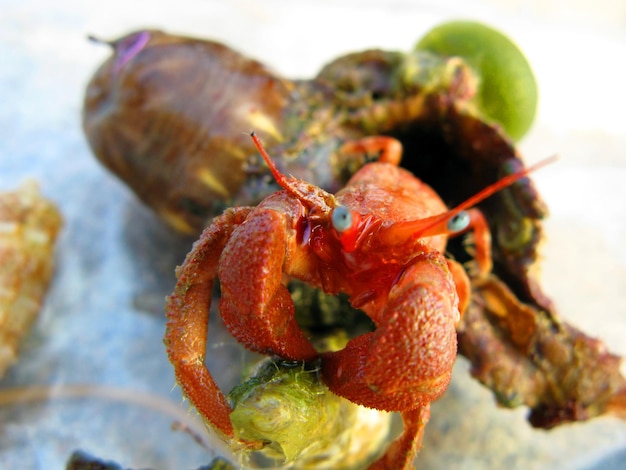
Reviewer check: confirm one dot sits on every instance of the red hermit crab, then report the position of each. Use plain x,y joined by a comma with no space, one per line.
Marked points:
381,240
168,114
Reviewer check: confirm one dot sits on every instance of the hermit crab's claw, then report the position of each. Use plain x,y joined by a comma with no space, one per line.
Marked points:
255,305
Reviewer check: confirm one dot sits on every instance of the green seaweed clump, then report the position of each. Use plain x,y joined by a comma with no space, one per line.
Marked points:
287,406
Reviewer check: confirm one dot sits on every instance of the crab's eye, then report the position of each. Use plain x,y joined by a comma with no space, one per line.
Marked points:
341,218
459,222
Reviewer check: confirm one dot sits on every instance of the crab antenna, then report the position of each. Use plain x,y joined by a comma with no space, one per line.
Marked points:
278,176
437,224
498,185
281,179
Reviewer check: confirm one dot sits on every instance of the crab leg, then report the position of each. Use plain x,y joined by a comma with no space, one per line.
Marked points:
378,147
401,453
187,311
480,241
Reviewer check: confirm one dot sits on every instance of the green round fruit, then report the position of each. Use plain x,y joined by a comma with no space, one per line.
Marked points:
508,90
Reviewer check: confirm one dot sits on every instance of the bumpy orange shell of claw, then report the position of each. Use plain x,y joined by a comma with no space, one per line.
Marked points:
29,225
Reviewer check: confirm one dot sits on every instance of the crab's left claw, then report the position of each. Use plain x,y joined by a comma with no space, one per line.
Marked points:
407,362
